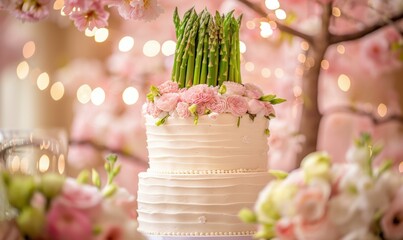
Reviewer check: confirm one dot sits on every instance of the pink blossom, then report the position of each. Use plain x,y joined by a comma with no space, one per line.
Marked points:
183,110
233,88
253,91
168,87
167,102
69,5
152,110
137,9
392,221
217,104
86,198
255,106
66,222
31,10
94,15
268,110
198,94
237,105
285,229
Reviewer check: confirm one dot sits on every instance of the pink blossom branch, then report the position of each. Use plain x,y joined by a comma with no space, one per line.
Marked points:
374,119
357,35
104,148
281,26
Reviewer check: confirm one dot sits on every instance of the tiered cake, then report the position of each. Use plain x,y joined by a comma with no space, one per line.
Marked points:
206,136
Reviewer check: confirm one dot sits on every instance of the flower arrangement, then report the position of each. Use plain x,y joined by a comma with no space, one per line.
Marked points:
206,76
54,207
321,200
84,13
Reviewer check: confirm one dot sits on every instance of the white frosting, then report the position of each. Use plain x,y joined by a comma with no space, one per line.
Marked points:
181,146
197,204
201,176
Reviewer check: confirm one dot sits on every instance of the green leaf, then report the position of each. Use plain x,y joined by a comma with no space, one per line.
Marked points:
161,121
96,179
267,132
109,190
247,215
239,121
280,175
83,177
267,98
277,101
112,158
222,90
385,166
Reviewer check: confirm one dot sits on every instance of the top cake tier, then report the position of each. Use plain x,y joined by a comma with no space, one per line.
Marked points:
222,144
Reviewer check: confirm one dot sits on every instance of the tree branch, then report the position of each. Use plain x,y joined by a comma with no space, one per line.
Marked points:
104,148
375,120
356,35
280,25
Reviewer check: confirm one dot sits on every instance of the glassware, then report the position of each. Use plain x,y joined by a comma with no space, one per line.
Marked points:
31,152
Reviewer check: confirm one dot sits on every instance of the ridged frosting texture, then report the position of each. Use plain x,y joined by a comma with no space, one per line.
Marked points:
180,146
197,204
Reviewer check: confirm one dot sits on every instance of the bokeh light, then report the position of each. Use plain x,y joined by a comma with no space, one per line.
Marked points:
130,95
44,163
57,91
324,64
126,44
168,48
22,70
84,93
242,47
98,96
29,49
42,81
266,72
151,48
279,73
265,30
344,82
101,35
281,14
249,66
382,110
272,4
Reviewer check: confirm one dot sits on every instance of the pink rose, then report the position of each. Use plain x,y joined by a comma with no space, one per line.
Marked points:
253,91
153,110
198,94
234,88
217,104
82,197
320,229
167,102
255,106
168,87
183,110
310,203
237,105
392,221
268,109
285,229
66,222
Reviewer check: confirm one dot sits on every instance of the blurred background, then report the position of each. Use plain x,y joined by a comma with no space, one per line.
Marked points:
93,83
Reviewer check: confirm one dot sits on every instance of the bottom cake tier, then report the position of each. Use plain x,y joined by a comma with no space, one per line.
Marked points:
197,204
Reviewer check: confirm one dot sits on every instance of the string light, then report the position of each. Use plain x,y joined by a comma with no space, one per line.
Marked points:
84,93
42,81
151,48
340,49
266,72
126,44
57,91
101,35
344,82
22,70
272,4
382,110
265,30
98,96
168,48
280,14
336,12
29,49
324,64
130,95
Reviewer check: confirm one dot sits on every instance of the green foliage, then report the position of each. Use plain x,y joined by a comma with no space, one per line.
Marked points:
207,49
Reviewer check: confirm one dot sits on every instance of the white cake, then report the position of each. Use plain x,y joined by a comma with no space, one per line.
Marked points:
201,176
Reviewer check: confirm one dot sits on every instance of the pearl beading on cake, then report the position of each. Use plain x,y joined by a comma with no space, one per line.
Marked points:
216,171
243,233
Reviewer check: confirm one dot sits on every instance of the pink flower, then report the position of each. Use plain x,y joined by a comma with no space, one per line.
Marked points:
152,110
234,88
168,87
167,102
83,197
285,229
320,229
392,221
111,232
255,106
311,202
69,5
268,109
31,10
217,104
183,110
237,105
253,91
198,94
66,222
137,9
94,15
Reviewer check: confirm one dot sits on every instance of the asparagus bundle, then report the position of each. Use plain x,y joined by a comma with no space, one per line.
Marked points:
207,49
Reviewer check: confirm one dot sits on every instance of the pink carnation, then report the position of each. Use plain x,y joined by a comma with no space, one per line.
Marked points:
392,221
234,88
217,104
255,106
268,110
167,102
198,94
237,105
285,230
253,91
183,110
153,110
168,87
